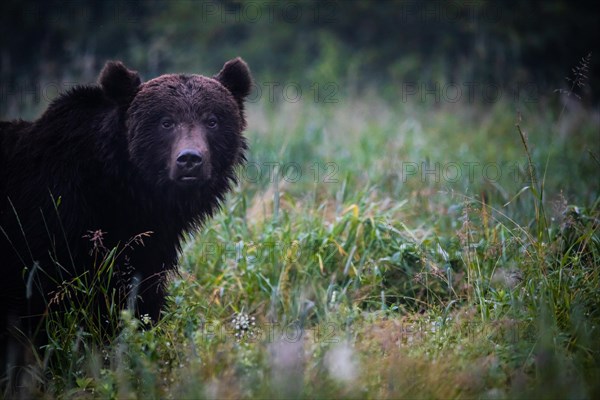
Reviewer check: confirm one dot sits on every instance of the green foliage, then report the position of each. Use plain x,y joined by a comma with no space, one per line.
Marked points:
368,279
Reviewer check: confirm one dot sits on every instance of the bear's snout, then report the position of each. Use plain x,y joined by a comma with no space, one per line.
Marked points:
190,167
190,157
189,160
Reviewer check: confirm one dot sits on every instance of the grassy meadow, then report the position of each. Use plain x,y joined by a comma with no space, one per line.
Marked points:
373,249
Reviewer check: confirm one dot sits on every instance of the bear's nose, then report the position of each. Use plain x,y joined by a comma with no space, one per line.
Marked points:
189,160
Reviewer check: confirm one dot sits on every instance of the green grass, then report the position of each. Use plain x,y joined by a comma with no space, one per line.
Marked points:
371,274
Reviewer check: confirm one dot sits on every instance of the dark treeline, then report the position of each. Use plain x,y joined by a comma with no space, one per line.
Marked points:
359,41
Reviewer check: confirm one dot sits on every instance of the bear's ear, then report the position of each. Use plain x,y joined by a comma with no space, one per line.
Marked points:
119,83
236,77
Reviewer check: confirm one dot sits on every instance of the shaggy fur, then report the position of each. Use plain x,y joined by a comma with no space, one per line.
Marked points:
116,158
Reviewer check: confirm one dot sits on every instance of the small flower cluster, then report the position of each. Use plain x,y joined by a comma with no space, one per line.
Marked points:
245,326
146,319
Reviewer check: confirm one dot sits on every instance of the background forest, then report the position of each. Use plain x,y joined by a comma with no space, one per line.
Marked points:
354,43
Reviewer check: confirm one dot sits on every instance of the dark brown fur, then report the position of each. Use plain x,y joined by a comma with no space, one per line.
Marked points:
123,157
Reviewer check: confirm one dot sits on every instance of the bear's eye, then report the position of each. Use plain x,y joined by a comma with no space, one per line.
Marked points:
167,123
212,122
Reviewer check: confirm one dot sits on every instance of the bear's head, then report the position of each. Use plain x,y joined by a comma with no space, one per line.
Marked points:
183,131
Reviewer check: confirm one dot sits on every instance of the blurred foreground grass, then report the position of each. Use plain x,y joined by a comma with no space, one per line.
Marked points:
375,250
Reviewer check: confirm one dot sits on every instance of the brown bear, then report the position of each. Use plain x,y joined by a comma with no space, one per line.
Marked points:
123,158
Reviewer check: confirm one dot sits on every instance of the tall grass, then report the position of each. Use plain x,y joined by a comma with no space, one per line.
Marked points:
376,271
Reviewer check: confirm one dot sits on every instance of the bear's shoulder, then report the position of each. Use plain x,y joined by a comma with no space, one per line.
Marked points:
84,97
78,118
